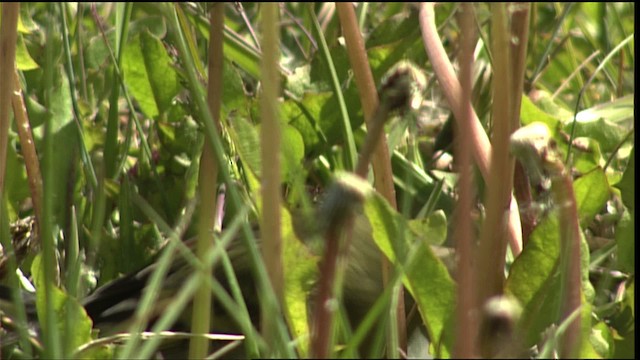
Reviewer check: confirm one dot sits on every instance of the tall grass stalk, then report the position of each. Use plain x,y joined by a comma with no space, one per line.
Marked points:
381,162
466,325
493,241
270,140
208,183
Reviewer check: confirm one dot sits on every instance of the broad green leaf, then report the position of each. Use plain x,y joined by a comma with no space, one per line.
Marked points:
547,104
156,25
542,251
292,150
233,96
426,277
602,340
15,181
591,124
532,268
432,229
36,111
161,76
592,192
299,115
627,184
394,29
24,61
66,308
625,238
246,140
300,273
97,52
137,79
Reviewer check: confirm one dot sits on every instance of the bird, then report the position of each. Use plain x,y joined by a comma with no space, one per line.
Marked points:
111,306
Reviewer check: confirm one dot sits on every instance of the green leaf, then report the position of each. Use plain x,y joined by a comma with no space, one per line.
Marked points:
233,96
607,133
24,61
627,184
300,273
548,105
292,150
15,186
540,254
530,113
602,340
592,192
137,79
625,238
161,76
432,229
246,139
426,277
298,116
67,310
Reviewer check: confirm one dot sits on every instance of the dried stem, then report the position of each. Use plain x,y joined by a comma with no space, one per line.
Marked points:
8,37
28,148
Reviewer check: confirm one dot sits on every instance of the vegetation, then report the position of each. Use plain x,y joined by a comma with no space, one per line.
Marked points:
127,127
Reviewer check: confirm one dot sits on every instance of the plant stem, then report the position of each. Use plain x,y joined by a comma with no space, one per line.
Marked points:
466,327
481,147
270,139
208,177
34,177
381,162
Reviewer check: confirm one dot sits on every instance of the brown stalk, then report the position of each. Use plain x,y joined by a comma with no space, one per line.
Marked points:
8,38
28,148
492,246
466,327
383,182
520,31
202,309
323,314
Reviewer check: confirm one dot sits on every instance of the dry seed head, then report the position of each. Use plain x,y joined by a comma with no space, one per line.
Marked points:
402,87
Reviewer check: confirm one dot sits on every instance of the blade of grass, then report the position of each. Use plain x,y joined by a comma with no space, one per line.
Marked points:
544,59
351,157
190,39
123,16
586,84
187,291
52,343
84,154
